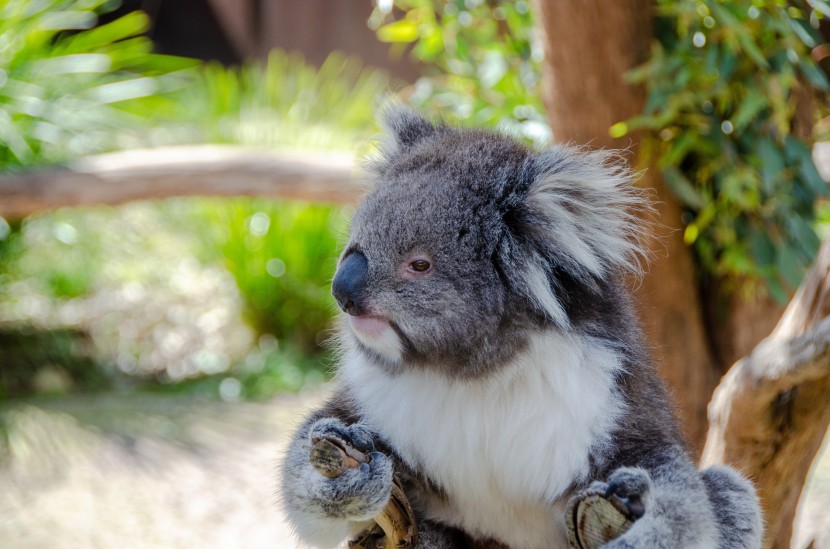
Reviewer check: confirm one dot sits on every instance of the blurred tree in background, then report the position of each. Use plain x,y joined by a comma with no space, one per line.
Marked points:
724,84
480,61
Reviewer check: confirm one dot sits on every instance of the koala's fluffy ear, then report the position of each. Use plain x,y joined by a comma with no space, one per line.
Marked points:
590,210
582,215
405,127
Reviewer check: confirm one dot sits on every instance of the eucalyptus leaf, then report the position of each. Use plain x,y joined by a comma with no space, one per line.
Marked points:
748,109
807,170
804,235
683,188
399,31
804,31
762,248
816,77
822,6
752,50
772,163
790,266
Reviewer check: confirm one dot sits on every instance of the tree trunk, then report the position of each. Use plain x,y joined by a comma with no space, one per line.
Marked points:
589,46
770,413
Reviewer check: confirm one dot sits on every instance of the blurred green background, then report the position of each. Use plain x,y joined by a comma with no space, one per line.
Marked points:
225,297
114,321
102,298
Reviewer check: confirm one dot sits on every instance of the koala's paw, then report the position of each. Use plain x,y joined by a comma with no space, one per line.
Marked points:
356,435
606,510
358,491
631,487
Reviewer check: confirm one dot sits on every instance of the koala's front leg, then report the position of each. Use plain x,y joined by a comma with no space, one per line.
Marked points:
324,511
668,504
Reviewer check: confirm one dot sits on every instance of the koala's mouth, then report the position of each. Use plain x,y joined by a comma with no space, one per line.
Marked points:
370,326
378,334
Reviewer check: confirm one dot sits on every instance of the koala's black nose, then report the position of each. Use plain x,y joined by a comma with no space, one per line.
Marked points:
349,283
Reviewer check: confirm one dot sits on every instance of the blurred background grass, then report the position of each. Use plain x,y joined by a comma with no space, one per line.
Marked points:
228,298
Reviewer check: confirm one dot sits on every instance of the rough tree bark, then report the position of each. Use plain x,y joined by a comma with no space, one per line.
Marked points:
589,45
770,413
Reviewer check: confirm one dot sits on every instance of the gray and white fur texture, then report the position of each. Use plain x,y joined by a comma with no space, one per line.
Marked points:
492,360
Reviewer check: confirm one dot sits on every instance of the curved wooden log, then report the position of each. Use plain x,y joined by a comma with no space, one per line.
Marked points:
770,412
203,170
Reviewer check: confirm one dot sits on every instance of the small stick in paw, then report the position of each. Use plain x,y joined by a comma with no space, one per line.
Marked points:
395,528
331,457
596,519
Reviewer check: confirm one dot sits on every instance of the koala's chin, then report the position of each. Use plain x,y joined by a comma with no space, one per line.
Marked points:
492,361
377,336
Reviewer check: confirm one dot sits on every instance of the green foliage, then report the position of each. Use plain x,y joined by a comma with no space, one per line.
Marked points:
140,295
10,247
48,361
483,65
282,103
282,256
268,369
101,88
68,89
58,255
723,85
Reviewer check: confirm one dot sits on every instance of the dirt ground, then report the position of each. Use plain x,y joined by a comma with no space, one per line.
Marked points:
136,471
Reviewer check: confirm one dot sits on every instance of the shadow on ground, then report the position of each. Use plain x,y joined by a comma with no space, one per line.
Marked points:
141,470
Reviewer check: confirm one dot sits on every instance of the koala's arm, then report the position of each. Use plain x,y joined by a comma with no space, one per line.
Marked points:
324,511
684,508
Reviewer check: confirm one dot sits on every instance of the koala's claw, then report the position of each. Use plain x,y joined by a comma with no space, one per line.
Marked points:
356,435
629,487
605,511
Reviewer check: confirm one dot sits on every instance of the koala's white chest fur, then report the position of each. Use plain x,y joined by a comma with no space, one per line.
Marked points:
504,448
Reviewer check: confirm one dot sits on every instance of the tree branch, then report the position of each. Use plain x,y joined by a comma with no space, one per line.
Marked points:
204,170
770,412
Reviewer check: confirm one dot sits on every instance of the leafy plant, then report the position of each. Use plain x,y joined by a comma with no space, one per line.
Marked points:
724,83
284,102
282,256
68,88
48,361
482,65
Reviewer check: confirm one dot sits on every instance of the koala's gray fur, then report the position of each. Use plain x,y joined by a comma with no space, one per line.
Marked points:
509,374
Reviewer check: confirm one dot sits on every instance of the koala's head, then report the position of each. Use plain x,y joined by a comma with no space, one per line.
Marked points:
470,241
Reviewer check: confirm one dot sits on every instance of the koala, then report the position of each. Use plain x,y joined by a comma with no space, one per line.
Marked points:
491,358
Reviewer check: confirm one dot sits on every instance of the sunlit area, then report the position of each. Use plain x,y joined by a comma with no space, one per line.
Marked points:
177,179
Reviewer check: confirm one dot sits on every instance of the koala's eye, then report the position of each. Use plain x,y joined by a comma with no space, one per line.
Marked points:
420,266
